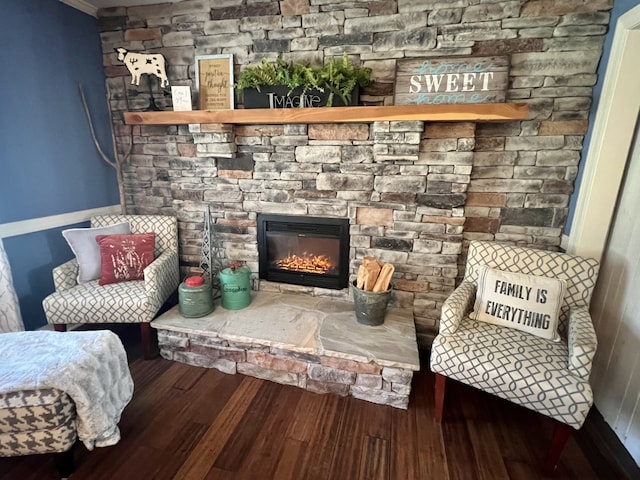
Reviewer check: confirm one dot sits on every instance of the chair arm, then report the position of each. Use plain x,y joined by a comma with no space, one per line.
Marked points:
161,278
456,307
582,342
65,276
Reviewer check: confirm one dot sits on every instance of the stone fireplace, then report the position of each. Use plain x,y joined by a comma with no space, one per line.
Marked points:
414,193
401,186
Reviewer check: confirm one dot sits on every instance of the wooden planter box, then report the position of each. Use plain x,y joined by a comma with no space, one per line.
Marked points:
279,96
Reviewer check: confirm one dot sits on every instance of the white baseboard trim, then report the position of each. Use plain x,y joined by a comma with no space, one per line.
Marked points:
22,227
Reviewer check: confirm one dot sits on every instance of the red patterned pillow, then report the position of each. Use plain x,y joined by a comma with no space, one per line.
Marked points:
124,257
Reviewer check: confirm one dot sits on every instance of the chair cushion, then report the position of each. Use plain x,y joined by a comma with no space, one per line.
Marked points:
36,421
530,303
519,367
125,302
82,242
124,257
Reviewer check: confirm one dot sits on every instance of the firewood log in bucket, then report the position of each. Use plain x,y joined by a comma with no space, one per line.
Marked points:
373,276
371,291
384,278
368,273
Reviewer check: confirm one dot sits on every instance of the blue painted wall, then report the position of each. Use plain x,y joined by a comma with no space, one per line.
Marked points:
49,163
620,7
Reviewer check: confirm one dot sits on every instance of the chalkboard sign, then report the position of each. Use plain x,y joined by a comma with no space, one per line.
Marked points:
454,80
214,81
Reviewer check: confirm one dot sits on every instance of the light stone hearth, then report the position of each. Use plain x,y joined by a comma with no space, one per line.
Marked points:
309,342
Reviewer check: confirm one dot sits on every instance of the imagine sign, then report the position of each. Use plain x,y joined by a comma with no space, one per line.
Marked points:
436,81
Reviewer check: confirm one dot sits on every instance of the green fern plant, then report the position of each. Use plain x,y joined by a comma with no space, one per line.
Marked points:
254,76
339,77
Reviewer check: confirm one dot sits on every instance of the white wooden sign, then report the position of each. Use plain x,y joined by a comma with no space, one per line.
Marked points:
454,80
181,98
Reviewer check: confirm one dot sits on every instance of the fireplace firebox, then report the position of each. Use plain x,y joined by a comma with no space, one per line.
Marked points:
310,251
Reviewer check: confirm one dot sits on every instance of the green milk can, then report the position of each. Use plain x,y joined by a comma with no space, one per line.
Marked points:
195,297
235,285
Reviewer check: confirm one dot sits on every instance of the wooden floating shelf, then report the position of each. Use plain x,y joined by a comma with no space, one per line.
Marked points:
481,112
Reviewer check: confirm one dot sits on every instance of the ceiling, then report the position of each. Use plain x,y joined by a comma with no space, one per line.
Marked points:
91,6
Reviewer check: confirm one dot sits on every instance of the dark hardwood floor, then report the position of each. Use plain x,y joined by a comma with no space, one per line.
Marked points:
194,423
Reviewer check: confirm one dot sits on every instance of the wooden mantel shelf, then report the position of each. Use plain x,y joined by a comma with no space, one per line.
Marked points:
484,112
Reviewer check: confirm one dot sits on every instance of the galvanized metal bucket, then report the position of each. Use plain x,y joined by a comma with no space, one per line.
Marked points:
370,307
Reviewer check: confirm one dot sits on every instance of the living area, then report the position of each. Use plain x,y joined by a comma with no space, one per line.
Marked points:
414,192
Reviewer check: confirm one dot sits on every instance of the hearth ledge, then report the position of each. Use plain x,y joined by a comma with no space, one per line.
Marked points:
309,342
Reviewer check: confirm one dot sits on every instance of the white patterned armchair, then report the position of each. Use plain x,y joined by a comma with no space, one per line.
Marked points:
135,301
549,377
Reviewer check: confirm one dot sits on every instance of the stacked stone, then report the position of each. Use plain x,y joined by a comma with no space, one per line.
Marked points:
403,192
415,193
314,372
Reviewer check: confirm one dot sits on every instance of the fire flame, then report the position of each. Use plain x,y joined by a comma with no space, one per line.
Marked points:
307,263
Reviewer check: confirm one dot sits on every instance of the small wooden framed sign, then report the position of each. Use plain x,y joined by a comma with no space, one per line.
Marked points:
214,81
181,98
454,80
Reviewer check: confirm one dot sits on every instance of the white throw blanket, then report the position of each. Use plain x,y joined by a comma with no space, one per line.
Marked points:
91,367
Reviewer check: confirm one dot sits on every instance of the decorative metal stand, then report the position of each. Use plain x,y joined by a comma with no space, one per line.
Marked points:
212,253
152,101
205,255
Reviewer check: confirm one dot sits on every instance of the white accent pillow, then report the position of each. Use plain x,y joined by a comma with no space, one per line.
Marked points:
84,246
528,303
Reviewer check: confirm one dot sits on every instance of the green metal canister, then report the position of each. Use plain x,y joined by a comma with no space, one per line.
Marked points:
195,297
235,284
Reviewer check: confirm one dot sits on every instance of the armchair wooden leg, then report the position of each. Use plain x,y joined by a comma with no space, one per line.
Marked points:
145,333
439,391
59,327
561,434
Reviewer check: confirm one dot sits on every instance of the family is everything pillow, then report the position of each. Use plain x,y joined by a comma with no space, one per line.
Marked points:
528,303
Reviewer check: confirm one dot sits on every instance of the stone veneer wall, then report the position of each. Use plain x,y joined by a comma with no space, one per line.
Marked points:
316,373
415,193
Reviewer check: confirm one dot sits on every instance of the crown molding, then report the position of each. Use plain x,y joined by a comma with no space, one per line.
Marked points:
83,6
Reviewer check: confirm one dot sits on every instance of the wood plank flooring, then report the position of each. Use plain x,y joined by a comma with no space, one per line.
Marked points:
194,423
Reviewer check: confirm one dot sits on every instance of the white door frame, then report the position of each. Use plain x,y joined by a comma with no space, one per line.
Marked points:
611,141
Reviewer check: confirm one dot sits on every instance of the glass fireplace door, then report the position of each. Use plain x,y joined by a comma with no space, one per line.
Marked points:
297,252
304,250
